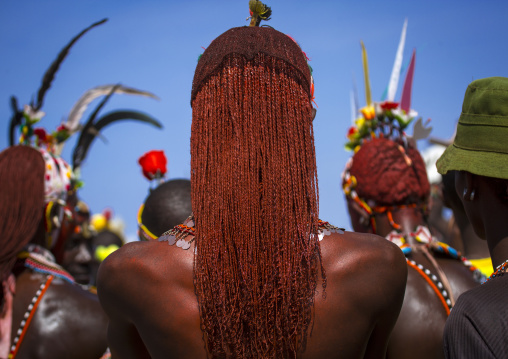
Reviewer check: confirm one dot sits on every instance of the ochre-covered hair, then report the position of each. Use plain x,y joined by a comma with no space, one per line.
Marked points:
254,195
21,201
390,174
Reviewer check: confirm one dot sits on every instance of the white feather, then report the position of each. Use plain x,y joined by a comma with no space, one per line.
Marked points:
74,118
394,79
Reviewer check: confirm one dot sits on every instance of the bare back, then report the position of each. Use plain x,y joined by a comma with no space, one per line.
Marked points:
147,290
68,322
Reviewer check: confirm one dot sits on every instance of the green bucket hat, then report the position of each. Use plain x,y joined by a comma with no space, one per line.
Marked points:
481,142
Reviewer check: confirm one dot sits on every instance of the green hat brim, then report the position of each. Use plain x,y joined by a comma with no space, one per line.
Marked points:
489,164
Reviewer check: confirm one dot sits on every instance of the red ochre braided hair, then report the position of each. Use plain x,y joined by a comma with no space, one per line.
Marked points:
254,195
389,174
21,202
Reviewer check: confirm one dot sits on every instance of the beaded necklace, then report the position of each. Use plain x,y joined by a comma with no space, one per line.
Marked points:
29,314
42,261
178,233
500,270
422,235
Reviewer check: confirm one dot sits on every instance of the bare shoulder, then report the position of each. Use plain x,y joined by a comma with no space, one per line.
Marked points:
362,247
353,258
145,258
141,267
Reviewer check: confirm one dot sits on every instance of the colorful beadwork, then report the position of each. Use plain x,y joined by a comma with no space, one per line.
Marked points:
178,233
422,235
325,228
434,283
27,318
500,270
42,261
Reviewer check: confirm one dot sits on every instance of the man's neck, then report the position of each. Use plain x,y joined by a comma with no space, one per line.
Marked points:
407,218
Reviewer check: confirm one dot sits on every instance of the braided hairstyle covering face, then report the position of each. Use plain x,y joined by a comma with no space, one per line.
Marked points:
254,195
21,201
385,176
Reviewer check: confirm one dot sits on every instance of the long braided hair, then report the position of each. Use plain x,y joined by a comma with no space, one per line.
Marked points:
254,195
21,202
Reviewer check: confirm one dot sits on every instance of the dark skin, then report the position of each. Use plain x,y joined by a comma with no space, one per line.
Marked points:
445,230
105,238
157,314
69,322
77,257
419,329
473,246
487,212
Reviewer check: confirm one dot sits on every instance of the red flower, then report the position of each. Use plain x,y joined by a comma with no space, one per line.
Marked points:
153,164
40,133
352,131
389,105
62,127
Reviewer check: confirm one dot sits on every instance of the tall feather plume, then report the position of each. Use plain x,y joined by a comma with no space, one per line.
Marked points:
81,105
354,102
405,100
17,114
394,78
365,62
353,107
91,130
50,73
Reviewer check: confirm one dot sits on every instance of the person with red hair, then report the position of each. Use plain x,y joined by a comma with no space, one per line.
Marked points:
387,192
52,316
256,274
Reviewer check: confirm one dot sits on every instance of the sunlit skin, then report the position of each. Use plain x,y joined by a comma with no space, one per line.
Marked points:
365,284
419,329
69,322
253,177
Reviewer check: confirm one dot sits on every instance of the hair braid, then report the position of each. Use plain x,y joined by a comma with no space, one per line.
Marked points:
255,199
21,202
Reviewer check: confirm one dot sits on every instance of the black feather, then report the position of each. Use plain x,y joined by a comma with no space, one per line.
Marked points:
50,73
89,133
89,123
17,115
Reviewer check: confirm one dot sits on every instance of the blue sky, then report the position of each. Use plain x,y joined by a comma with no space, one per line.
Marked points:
154,45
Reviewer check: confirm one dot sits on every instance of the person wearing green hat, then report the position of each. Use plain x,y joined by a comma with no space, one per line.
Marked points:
479,157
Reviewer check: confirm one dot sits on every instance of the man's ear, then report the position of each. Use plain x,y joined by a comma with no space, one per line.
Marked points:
470,186
313,115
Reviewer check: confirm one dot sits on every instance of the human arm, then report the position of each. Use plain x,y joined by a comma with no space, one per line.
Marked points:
123,338
387,289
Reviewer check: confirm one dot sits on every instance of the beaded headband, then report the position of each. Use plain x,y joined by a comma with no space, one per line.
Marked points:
143,231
